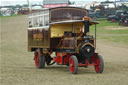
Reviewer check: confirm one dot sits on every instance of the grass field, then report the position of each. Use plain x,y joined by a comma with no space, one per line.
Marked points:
17,65
118,36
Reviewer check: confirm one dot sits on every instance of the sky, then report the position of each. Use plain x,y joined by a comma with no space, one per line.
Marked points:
14,2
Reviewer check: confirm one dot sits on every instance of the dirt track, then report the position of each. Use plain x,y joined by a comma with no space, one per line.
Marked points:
115,28
17,65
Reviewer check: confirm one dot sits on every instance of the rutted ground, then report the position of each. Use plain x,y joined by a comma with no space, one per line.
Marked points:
17,65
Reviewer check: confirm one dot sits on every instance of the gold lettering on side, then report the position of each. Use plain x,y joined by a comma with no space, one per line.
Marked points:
37,36
45,51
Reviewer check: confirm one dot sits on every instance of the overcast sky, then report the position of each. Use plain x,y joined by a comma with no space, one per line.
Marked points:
14,2
42,0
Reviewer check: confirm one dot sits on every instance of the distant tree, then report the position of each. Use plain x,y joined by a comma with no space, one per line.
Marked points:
25,5
18,6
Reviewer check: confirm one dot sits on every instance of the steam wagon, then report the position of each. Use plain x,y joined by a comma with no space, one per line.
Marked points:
63,31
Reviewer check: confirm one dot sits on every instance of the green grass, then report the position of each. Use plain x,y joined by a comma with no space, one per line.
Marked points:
118,36
118,39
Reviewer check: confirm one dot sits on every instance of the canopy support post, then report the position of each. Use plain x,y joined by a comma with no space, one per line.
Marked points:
95,36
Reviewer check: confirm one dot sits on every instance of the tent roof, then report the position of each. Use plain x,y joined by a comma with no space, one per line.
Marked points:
55,2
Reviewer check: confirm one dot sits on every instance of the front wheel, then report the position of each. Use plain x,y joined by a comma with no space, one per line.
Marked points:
39,59
73,64
99,64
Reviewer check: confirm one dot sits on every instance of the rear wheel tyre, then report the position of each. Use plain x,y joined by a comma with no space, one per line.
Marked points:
99,64
39,59
73,64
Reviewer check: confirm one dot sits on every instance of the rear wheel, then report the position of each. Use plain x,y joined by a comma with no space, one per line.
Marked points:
73,64
39,59
99,64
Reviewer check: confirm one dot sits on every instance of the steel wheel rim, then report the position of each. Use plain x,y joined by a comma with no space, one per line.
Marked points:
97,66
72,65
36,59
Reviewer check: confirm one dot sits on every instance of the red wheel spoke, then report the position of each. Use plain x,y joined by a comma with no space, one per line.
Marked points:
39,60
72,67
73,64
36,59
97,66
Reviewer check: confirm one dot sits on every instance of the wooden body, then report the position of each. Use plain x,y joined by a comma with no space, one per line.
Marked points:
42,34
38,38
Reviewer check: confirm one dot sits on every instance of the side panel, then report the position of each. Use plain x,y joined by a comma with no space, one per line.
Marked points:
38,38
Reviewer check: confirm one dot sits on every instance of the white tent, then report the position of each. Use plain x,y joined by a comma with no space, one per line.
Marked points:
6,11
